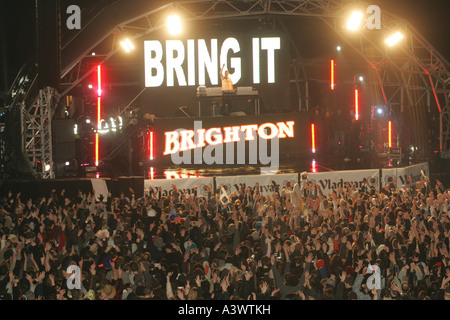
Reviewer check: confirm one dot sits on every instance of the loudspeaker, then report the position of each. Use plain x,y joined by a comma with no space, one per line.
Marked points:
48,42
63,139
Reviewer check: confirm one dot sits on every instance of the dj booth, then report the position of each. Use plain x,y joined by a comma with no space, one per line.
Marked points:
214,97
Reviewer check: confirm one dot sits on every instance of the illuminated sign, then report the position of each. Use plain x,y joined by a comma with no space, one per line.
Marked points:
201,60
182,140
112,126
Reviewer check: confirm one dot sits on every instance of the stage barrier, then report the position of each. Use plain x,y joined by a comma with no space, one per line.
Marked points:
328,181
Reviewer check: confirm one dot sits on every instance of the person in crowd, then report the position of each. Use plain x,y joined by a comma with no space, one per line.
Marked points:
352,244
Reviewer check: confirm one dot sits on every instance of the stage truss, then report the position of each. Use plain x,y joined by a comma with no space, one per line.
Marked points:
414,76
36,125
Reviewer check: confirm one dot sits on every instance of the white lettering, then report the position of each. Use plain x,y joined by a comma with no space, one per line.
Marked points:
207,61
270,44
153,63
174,62
231,44
181,57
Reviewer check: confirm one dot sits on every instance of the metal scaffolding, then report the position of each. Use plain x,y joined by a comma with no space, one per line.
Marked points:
36,132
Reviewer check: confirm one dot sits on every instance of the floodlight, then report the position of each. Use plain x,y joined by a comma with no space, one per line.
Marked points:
174,24
354,21
393,39
127,45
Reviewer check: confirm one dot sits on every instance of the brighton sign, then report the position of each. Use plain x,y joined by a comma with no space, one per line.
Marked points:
240,144
182,140
190,62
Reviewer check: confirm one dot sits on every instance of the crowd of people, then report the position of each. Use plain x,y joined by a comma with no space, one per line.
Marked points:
295,244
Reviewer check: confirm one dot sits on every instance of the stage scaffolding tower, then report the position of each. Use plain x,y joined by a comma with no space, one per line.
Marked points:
36,132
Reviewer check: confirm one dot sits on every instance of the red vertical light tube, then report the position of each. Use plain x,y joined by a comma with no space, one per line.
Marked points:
99,94
152,173
332,74
356,104
313,138
390,134
151,145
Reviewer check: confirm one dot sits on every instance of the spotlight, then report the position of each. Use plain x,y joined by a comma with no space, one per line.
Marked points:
127,45
338,48
355,21
361,78
93,53
174,24
67,163
47,167
380,110
88,120
90,86
393,39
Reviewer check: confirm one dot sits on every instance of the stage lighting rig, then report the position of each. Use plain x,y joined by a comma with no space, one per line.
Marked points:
127,45
394,39
355,20
174,25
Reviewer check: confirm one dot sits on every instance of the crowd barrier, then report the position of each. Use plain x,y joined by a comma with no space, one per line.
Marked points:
328,181
268,183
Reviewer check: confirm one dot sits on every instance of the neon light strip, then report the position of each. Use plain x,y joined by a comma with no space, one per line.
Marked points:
96,149
390,134
313,138
99,81
152,173
356,104
151,151
99,93
332,74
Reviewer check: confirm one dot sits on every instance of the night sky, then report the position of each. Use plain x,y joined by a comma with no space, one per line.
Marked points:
17,35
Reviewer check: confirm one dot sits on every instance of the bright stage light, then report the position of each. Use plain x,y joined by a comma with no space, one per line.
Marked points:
390,134
338,48
393,39
127,45
361,78
313,138
356,104
313,166
332,74
93,53
354,21
174,24
67,163
380,110
90,86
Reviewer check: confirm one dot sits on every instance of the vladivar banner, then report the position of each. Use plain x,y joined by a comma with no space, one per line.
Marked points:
268,184
185,185
332,180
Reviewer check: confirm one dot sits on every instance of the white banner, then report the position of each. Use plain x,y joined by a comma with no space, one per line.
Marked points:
402,174
100,188
332,180
268,184
186,185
